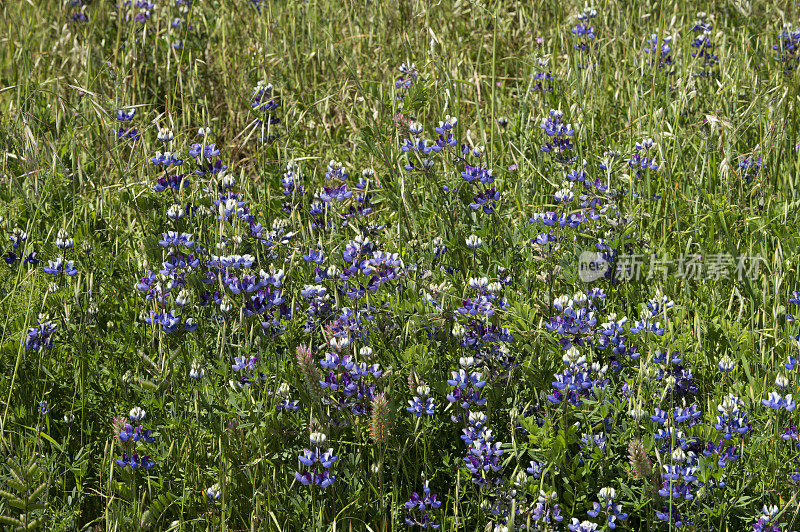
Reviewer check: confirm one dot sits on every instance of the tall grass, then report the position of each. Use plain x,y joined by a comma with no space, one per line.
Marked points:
333,66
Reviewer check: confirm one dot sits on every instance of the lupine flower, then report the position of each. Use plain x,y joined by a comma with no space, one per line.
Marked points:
40,336
483,459
421,403
662,50
59,266
592,441
165,135
606,505
135,462
420,506
348,385
474,242
547,512
704,46
787,47
672,515
131,437
583,31
751,166
214,493
196,371
63,241
776,401
765,521
466,389
726,364
585,526
287,404
560,135
317,464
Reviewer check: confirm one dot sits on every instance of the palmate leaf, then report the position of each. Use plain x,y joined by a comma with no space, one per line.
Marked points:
36,523
158,507
19,487
22,480
17,472
36,493
9,496
10,521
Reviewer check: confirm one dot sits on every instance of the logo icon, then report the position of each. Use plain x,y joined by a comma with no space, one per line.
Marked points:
592,266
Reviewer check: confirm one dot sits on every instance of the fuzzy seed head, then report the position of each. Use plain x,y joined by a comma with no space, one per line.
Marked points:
381,423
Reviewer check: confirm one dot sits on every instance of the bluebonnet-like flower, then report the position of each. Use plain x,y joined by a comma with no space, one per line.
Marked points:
726,364
608,506
169,321
135,461
214,493
592,441
348,384
732,420
135,434
244,363
787,48
165,135
408,76
59,266
63,240
286,404
483,459
766,522
543,77
174,238
751,166
680,478
125,116
776,401
673,515
420,506
421,403
466,389
176,183
547,513
583,31
196,371
131,437
137,413
704,46
640,160
661,50
559,135
128,133
262,99
40,336
585,526
317,464
166,159
18,238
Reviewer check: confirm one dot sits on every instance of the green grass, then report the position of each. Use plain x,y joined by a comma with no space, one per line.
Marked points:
334,66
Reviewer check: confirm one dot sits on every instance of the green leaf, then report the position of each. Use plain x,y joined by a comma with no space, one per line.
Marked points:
10,521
